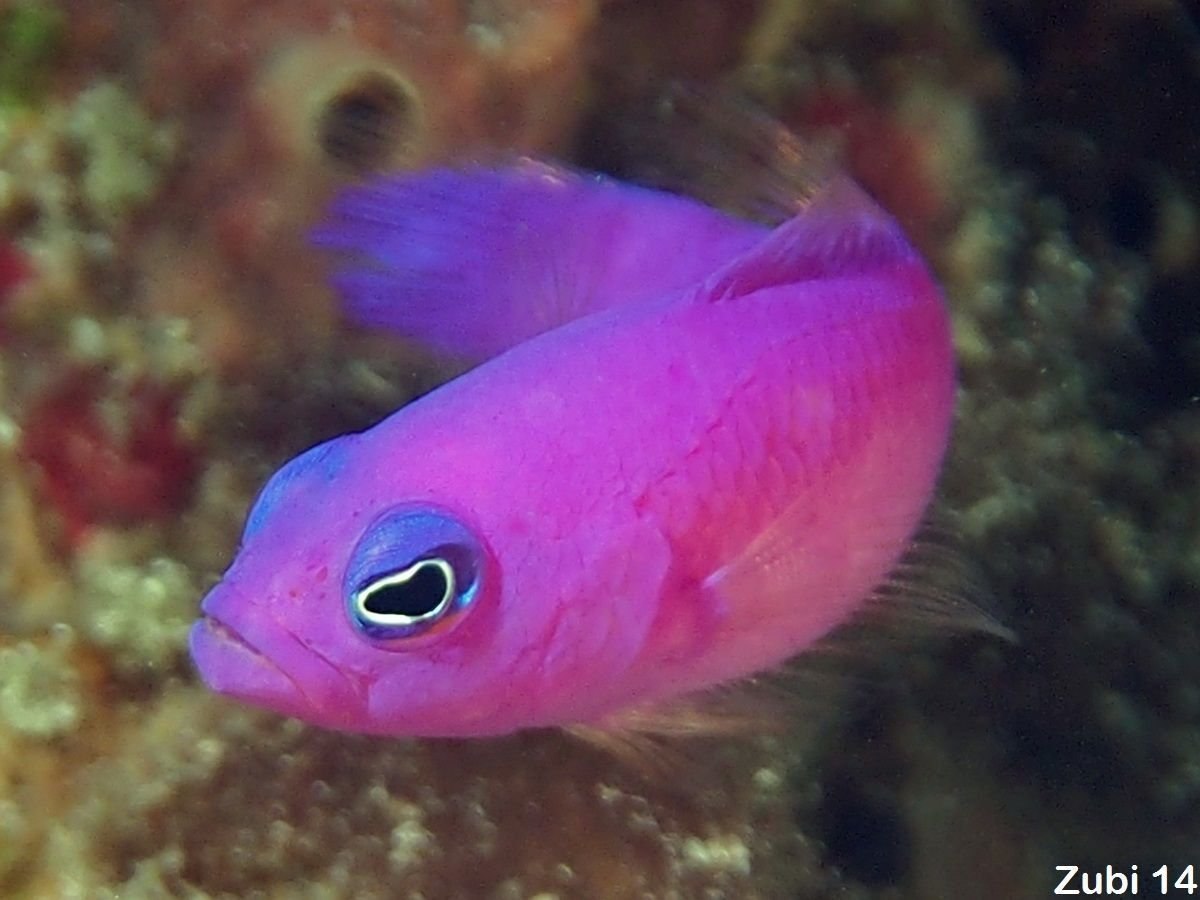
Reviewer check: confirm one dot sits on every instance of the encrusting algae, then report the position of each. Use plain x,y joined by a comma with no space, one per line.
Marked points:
40,693
153,218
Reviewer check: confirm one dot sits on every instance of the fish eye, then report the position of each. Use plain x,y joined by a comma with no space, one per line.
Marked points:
414,573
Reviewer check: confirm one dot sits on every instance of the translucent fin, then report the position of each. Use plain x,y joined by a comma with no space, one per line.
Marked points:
930,585
742,707
660,740
476,260
933,593
721,148
934,588
792,704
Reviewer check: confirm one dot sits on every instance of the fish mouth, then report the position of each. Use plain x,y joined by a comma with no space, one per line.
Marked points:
230,664
242,651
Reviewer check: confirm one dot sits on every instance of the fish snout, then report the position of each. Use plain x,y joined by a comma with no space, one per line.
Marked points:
242,652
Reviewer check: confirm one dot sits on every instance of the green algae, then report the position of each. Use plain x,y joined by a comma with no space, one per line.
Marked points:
139,612
39,688
124,151
31,34
72,173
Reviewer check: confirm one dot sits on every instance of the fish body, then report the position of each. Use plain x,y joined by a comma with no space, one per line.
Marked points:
693,448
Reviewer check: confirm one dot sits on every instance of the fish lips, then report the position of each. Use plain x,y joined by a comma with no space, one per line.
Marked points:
243,655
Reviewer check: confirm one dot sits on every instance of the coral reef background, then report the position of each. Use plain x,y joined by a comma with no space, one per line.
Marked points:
167,339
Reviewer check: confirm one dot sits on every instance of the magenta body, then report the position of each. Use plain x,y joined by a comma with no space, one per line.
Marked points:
672,492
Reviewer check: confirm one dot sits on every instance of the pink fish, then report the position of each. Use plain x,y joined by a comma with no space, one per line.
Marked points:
695,447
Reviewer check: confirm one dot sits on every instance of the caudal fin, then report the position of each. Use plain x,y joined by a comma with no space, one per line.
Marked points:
475,260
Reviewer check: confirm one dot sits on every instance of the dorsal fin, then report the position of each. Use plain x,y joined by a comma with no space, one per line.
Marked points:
719,146
839,231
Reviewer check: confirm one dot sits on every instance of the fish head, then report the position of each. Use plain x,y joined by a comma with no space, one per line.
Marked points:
375,599
338,594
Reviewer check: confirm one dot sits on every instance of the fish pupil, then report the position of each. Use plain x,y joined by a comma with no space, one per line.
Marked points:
418,596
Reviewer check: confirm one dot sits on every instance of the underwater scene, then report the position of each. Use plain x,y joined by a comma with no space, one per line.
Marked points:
758,449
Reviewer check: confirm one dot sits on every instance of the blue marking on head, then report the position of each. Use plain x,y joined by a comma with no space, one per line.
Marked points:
322,463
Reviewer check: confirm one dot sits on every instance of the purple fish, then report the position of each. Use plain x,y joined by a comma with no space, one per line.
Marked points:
695,447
